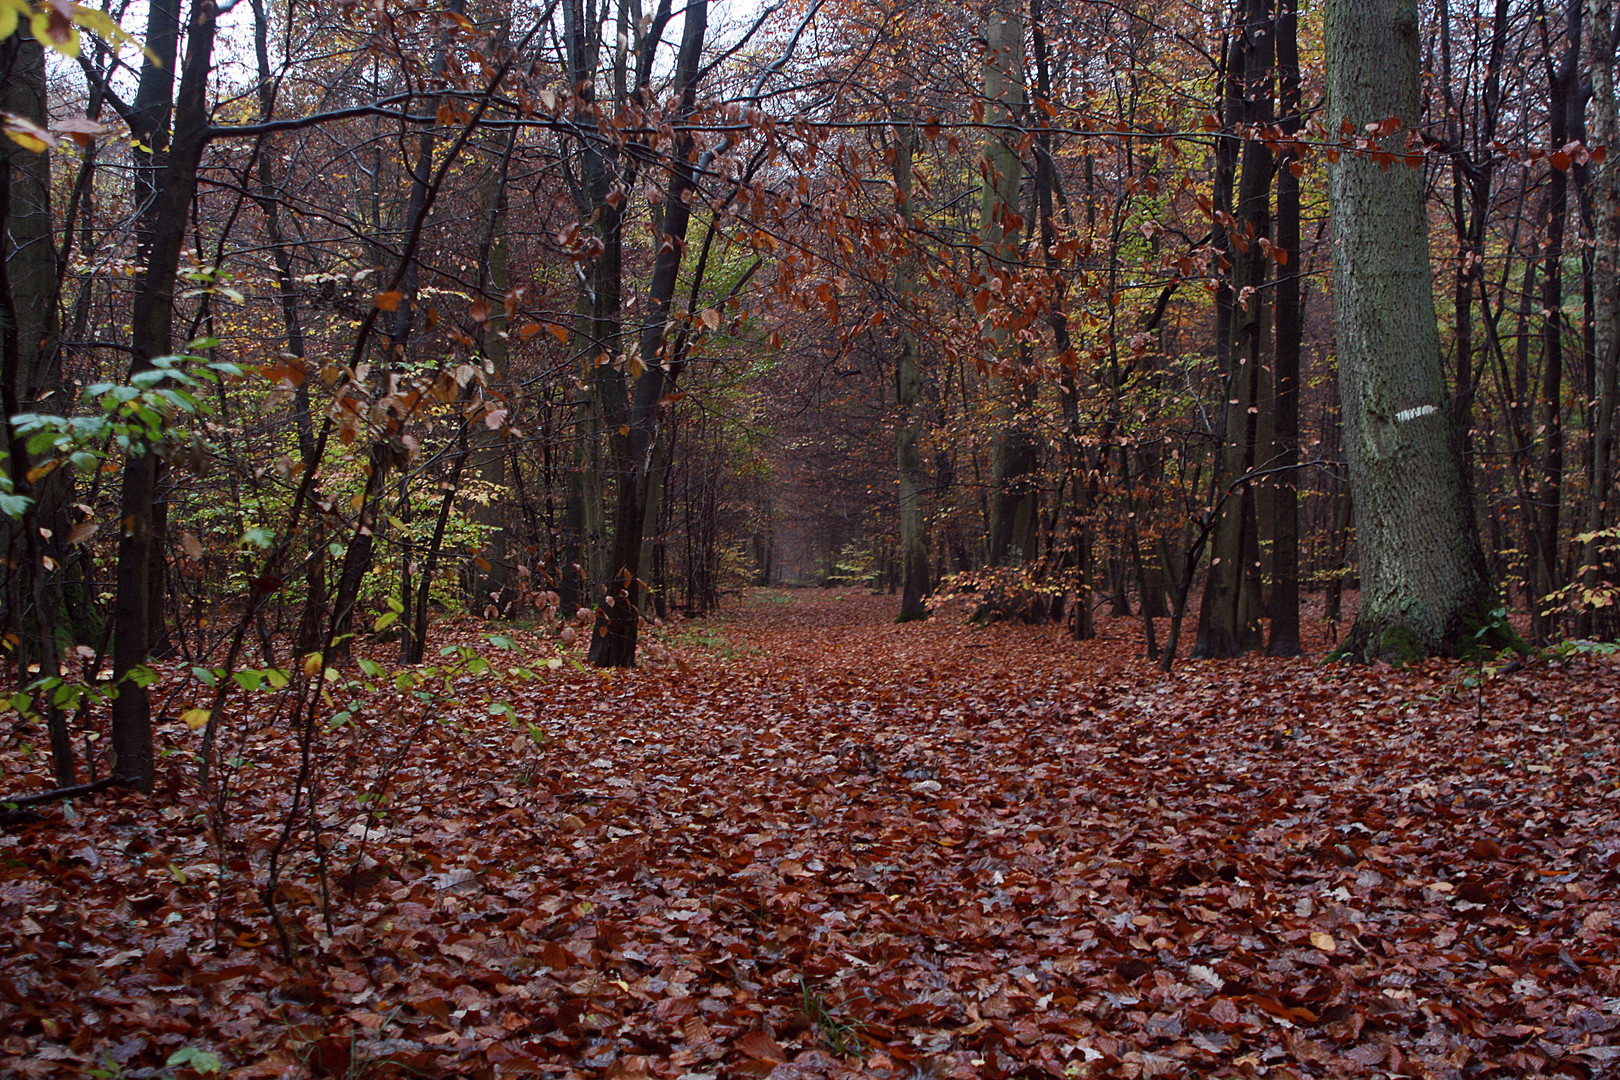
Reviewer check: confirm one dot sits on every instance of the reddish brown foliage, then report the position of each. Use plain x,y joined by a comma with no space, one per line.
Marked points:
967,853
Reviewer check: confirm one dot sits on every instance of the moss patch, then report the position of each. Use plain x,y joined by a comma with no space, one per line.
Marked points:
1483,632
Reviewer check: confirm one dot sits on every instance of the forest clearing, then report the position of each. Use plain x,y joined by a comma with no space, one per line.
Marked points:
808,842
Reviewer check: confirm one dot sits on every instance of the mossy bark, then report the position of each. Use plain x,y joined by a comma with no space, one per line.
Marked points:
1423,573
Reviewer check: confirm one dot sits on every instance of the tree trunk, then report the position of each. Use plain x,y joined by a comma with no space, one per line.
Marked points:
162,233
1564,118
1284,600
1424,586
33,537
1228,614
1598,571
908,377
1014,517
636,410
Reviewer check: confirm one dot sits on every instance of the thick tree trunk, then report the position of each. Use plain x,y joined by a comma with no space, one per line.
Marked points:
1599,572
1424,586
34,539
1014,513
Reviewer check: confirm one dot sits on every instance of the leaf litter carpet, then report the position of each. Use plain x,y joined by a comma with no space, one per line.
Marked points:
810,843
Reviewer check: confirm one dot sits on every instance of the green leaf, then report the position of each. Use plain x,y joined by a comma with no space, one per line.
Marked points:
190,1057
501,641
371,668
204,676
43,442
385,621
249,680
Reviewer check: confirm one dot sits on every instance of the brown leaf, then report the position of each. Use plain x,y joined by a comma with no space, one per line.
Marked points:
760,1046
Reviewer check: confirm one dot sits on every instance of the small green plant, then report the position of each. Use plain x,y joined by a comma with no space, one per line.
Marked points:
187,1057
842,1037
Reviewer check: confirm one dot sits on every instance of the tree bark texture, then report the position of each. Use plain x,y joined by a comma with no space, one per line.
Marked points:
1014,517
1289,328
637,408
1599,571
1424,585
909,398
1228,615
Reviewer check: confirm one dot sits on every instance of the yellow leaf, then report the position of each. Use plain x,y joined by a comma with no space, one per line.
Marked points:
313,664
25,133
195,718
55,30
1323,941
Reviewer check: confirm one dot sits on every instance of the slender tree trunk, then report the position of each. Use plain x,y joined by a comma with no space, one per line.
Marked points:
1284,601
384,454
1227,616
162,236
908,379
637,409
1563,116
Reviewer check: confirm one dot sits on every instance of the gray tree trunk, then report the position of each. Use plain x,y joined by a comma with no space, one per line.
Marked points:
1014,517
909,396
1598,571
1424,585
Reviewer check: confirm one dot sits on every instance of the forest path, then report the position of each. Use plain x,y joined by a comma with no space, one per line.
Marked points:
811,843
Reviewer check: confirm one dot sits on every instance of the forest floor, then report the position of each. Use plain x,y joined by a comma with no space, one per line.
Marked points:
811,843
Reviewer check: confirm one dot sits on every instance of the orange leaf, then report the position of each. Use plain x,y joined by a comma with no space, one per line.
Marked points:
388,301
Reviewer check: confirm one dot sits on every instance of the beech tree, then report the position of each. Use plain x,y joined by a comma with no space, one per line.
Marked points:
1425,586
